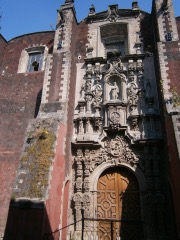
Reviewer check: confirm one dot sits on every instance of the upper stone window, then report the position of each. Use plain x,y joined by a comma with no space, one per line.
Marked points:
114,45
114,38
33,59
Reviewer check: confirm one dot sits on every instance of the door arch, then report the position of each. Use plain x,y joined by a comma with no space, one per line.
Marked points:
118,205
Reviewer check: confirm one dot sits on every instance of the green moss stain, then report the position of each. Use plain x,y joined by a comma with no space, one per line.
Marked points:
37,160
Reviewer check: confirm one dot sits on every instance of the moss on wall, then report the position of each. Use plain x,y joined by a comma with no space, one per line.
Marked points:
37,159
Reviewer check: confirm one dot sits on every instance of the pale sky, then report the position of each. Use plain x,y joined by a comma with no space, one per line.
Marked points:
25,16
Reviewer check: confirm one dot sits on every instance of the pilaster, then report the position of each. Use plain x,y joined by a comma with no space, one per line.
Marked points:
167,28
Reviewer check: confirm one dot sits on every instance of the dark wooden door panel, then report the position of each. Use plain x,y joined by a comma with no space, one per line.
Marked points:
118,202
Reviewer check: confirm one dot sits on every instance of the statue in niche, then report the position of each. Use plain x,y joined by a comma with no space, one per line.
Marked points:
114,92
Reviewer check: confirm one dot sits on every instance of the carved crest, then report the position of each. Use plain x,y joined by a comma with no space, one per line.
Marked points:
114,147
113,13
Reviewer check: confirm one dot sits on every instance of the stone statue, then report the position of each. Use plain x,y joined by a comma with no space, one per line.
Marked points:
114,91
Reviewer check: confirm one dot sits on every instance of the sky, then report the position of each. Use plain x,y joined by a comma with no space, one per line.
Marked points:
20,17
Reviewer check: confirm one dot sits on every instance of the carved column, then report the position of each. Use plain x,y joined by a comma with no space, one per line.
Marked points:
131,70
88,98
87,126
87,165
78,208
81,127
81,108
79,170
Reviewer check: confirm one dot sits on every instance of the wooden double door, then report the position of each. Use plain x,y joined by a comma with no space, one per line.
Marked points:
118,206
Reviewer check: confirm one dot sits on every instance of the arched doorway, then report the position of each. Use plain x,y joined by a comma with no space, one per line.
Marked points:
118,205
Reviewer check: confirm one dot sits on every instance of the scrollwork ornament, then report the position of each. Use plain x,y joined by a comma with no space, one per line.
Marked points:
88,98
97,102
88,86
113,14
79,184
98,123
114,146
131,78
140,68
115,65
86,204
86,199
97,90
97,72
89,71
86,184
87,155
115,118
78,199
118,148
132,92
79,155
134,123
130,157
131,66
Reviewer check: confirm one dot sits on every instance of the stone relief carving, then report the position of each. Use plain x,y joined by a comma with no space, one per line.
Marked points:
115,151
115,96
97,93
131,70
112,106
113,13
114,91
132,92
134,123
140,67
115,65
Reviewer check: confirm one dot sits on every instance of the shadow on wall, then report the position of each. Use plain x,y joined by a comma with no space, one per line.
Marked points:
27,221
38,103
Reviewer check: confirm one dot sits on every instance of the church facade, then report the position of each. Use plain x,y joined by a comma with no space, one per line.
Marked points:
90,127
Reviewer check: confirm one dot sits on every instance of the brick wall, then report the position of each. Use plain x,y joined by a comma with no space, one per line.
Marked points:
167,68
3,44
78,48
18,98
172,50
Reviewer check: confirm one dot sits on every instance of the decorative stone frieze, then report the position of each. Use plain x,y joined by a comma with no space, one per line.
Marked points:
115,151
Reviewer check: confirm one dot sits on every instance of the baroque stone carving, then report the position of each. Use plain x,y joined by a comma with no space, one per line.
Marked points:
97,92
113,13
115,65
115,151
140,67
132,92
134,123
131,70
115,117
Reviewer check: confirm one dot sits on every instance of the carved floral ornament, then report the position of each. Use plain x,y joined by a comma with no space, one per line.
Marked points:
115,151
